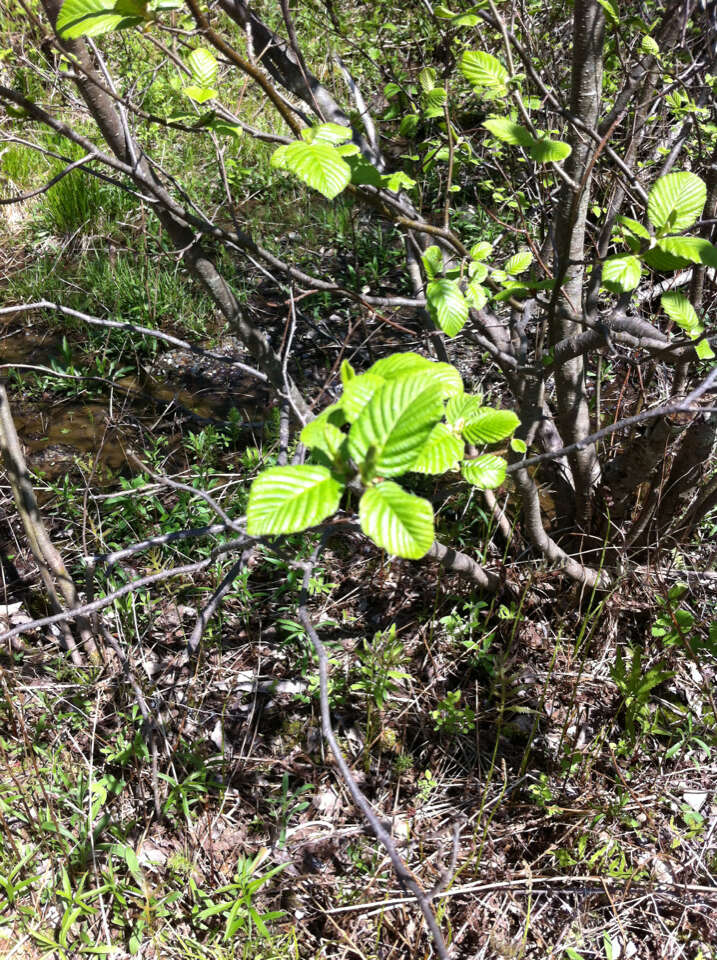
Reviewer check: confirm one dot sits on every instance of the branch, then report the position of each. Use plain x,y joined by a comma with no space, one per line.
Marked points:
405,876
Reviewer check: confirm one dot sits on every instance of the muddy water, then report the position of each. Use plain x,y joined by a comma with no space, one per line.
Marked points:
60,422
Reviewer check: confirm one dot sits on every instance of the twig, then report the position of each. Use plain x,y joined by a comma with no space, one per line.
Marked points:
405,876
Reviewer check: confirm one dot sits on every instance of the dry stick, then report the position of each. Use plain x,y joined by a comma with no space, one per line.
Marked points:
43,550
405,876
215,601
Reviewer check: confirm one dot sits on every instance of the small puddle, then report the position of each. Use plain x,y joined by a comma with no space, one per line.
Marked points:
60,420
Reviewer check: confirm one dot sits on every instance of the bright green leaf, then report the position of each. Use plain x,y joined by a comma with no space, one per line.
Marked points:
91,18
634,226
399,522
519,262
462,408
483,70
199,94
650,46
395,424
397,181
509,132
481,250
432,259
611,11
485,472
427,79
357,393
489,425
290,499
477,271
476,295
331,133
676,201
549,151
692,249
203,66
318,164
621,274
447,306
679,309
441,452
518,445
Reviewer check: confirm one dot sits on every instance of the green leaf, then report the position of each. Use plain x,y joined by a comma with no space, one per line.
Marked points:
611,11
481,250
203,66
427,79
435,101
324,434
363,172
395,424
509,132
634,226
91,18
477,271
692,249
447,306
399,522
347,372
432,260
199,94
679,309
485,472
703,349
357,393
397,181
398,365
676,201
331,133
476,295
319,165
659,259
519,262
518,445
441,452
462,408
489,425
650,46
483,70
290,499
549,151
621,274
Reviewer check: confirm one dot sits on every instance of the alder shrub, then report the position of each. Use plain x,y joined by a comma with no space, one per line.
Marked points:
406,414
547,203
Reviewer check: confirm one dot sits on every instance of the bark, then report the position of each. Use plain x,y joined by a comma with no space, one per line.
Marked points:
573,411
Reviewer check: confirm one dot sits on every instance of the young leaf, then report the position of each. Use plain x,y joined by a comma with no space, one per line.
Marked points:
395,182
462,408
432,260
203,66
549,151
518,445
650,46
679,309
395,424
676,201
399,522
519,262
477,271
323,434
347,372
447,306
476,294
610,11
290,499
319,165
441,452
692,249
635,227
621,274
91,18
481,250
489,425
331,133
427,79
405,364
483,70
357,393
199,94
485,472
509,132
